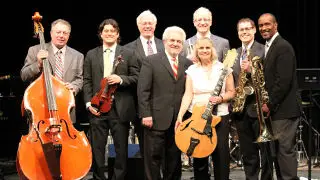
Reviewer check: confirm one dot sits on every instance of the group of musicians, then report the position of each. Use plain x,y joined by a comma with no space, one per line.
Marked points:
156,83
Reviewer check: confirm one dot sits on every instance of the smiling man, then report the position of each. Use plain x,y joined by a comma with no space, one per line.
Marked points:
161,86
247,123
118,67
202,21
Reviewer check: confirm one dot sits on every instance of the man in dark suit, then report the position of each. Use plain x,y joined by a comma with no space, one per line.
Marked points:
146,44
202,21
123,74
161,86
246,121
281,84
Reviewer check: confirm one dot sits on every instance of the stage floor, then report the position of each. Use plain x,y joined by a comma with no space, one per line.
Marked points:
236,173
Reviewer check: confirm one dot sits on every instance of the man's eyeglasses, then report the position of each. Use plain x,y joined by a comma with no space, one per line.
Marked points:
202,19
245,29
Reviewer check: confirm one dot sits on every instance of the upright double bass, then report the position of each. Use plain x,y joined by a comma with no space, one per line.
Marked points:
53,149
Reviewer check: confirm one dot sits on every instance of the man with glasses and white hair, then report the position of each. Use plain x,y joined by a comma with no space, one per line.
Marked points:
202,20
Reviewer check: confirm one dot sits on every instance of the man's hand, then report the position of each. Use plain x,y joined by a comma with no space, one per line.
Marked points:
245,65
94,111
42,54
147,122
114,79
70,87
265,109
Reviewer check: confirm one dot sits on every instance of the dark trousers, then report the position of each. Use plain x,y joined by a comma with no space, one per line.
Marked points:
160,148
220,156
286,158
138,130
98,133
248,131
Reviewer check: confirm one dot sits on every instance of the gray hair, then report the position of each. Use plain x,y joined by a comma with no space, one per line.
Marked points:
62,21
203,10
146,13
172,29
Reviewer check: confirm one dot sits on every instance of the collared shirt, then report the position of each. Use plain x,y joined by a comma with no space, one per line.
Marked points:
144,42
248,47
269,43
63,51
170,59
112,51
208,35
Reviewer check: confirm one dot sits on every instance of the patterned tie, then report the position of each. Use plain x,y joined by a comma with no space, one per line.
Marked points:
106,63
175,67
59,65
244,53
150,50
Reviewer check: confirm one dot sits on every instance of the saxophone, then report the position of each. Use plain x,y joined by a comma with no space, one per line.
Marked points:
262,97
242,90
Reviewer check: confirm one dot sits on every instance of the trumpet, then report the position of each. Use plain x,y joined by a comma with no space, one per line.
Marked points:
262,97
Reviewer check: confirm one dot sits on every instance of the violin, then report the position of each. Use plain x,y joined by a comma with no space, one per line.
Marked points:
103,99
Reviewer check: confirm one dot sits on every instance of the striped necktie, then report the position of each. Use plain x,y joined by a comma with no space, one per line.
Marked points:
59,65
150,50
175,67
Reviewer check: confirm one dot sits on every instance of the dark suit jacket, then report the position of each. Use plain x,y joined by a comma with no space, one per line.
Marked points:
257,49
281,81
159,93
127,70
136,46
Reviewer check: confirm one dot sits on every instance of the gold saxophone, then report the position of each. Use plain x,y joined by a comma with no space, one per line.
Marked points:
242,90
262,97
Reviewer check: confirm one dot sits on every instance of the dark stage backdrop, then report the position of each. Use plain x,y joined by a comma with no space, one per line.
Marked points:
298,23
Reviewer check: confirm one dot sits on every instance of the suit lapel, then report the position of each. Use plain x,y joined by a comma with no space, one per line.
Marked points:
271,48
180,67
140,48
100,59
159,45
165,62
67,61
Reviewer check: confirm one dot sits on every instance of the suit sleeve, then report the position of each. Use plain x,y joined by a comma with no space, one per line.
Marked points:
78,82
30,70
133,67
144,89
87,78
285,67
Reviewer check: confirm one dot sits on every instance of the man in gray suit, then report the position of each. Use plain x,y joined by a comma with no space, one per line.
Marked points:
72,60
146,44
202,20
246,122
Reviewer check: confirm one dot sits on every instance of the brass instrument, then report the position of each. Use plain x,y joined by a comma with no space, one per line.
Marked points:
242,90
262,97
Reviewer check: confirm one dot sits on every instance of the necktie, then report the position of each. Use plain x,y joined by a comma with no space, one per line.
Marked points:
175,67
244,53
106,63
59,65
266,48
150,50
